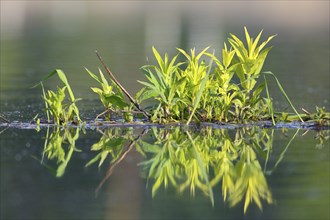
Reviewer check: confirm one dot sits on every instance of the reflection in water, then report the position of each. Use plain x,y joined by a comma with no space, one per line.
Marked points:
113,144
203,160
185,159
59,146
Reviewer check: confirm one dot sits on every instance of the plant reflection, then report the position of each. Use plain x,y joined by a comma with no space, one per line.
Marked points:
116,143
59,146
322,136
203,160
186,159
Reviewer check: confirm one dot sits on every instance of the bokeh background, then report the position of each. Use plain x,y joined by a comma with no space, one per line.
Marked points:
39,36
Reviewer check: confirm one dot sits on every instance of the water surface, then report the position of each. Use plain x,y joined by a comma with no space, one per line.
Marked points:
50,180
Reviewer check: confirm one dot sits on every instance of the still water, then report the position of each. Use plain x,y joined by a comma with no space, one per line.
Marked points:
121,173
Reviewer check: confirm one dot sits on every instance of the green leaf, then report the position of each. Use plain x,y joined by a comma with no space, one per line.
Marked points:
258,90
147,94
239,48
116,100
93,75
263,44
158,58
227,56
97,90
241,75
260,61
284,94
202,53
269,103
94,160
252,54
103,79
62,76
184,53
248,39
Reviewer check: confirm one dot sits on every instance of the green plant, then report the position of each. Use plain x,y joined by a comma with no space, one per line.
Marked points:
164,86
203,88
111,96
178,91
205,93
197,77
250,59
222,92
62,112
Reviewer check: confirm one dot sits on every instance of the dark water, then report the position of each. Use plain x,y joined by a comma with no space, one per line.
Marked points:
43,36
45,181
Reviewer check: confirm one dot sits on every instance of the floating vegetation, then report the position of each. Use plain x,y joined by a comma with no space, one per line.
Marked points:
201,88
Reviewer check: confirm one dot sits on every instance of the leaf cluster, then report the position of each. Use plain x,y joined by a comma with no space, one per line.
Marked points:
201,87
111,96
196,89
61,109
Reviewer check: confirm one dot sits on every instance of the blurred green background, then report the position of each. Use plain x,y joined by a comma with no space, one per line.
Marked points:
39,36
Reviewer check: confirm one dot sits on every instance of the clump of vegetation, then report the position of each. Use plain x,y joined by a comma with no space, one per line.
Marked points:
63,111
197,90
111,97
202,88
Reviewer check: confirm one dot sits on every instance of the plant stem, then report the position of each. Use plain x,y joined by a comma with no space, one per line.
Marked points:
284,94
121,87
115,163
270,104
102,113
4,119
46,104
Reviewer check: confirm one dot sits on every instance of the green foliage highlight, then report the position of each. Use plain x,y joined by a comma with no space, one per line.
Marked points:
111,96
204,87
206,93
63,111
